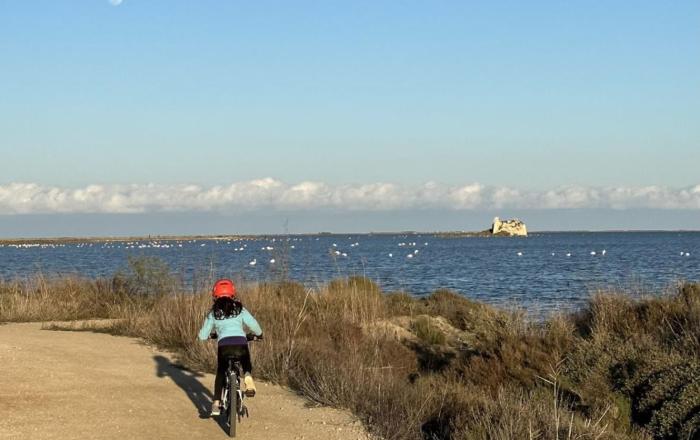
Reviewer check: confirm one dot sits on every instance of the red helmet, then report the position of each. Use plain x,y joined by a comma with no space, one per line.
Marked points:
224,288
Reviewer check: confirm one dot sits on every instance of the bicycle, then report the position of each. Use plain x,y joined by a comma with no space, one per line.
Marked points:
232,398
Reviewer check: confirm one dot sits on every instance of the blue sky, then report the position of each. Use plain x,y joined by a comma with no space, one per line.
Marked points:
531,96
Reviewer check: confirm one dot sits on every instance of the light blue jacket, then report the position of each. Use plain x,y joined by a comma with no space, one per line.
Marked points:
235,326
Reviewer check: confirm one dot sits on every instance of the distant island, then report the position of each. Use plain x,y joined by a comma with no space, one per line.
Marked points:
508,228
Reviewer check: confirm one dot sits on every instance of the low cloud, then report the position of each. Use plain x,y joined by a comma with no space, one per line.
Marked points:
271,194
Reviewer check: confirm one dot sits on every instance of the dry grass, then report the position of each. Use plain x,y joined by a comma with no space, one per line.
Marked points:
442,367
65,298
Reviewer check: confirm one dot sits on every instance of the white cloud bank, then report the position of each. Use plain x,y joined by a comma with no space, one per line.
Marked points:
266,194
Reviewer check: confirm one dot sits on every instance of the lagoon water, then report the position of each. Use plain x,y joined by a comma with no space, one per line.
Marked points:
485,269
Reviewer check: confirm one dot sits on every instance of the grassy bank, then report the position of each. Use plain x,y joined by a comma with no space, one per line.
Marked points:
433,368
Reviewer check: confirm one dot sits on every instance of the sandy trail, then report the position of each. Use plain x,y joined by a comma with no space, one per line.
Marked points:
81,385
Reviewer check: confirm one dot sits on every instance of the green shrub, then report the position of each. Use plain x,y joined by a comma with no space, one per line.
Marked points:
427,332
668,401
146,276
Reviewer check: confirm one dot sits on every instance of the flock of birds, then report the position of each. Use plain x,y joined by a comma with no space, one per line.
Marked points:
240,246
568,254
602,253
412,254
164,244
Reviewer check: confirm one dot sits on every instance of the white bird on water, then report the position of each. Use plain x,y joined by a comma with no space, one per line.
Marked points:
603,253
254,262
593,253
344,254
520,254
409,256
687,254
272,261
416,251
569,254
391,255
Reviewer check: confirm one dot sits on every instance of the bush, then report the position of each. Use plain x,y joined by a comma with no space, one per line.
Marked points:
146,276
668,403
427,332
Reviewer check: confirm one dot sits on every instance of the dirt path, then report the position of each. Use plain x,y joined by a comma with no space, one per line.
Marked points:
70,385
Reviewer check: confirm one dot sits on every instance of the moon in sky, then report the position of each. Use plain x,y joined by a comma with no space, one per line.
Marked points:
115,2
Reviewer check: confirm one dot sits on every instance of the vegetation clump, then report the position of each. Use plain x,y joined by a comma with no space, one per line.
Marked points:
427,332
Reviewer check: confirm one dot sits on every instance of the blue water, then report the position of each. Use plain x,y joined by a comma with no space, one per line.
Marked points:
485,269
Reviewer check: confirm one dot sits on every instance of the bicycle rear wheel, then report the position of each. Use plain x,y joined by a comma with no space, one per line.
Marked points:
232,407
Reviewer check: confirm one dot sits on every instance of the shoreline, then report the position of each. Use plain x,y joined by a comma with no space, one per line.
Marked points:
240,237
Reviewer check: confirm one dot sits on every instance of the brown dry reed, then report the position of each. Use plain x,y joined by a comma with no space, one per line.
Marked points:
442,367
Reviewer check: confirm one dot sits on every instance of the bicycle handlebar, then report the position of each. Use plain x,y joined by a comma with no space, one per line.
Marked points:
250,337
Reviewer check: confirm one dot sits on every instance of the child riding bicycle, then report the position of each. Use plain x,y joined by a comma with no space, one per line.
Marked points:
230,320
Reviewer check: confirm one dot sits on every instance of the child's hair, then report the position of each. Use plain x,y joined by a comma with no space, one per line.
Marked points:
226,307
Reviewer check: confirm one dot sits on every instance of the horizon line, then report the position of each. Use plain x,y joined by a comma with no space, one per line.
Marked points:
214,237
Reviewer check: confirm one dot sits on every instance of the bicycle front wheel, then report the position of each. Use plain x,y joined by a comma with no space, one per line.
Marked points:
232,407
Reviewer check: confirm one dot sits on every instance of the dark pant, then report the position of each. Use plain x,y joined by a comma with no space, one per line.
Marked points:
241,354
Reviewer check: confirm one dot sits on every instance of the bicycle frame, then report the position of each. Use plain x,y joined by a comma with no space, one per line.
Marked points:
233,385
232,372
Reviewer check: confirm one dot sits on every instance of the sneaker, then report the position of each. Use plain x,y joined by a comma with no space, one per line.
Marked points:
249,386
215,410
